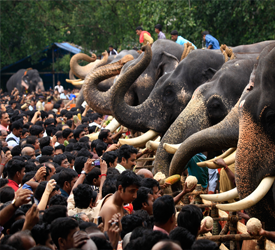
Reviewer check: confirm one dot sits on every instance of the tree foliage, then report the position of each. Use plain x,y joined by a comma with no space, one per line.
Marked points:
29,26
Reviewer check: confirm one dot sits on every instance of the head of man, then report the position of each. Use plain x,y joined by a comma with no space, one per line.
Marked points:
144,200
59,137
84,196
97,118
127,156
190,218
16,171
67,134
166,244
58,83
28,151
158,28
33,140
111,47
37,131
5,119
41,188
164,212
47,151
139,29
50,171
17,128
3,135
61,160
42,236
21,240
128,184
204,33
67,178
106,136
110,158
62,231
174,35
79,133
153,185
145,172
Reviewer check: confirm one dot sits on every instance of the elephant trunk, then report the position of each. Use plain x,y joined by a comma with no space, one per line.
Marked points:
191,120
80,98
131,116
97,100
82,71
222,135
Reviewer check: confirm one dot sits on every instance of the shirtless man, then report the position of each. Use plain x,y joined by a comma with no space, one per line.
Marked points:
127,186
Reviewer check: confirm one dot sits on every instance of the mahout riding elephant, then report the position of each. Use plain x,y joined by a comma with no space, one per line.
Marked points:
170,95
82,71
250,125
166,55
25,79
210,103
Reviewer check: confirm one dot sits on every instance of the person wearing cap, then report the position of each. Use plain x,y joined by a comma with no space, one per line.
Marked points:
179,39
144,36
112,51
158,30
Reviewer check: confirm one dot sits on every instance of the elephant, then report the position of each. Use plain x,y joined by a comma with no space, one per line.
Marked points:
82,71
25,79
210,103
250,125
166,55
171,93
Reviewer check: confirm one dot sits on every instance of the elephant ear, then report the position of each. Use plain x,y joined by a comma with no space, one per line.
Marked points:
209,73
168,63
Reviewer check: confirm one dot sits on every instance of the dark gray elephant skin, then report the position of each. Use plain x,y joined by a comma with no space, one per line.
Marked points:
170,95
210,103
25,79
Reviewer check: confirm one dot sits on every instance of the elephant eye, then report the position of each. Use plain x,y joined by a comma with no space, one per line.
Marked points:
167,92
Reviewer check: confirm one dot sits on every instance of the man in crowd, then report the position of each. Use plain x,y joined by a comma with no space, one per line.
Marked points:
59,87
112,51
179,39
126,158
158,30
5,121
144,36
210,41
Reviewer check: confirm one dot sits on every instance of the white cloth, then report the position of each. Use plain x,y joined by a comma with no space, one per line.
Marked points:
94,124
14,142
213,179
120,168
63,96
30,108
59,88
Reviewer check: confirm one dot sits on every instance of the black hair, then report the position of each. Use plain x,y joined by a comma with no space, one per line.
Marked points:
150,183
69,123
70,156
93,174
109,186
129,223
83,225
174,32
66,174
41,188
127,178
103,134
24,131
83,195
28,145
41,233
28,176
109,157
183,237
205,245
79,163
59,135
77,132
94,142
45,141
44,114
60,146
66,132
125,151
84,152
158,26
142,196
17,226
101,243
17,125
47,151
69,147
84,139
100,147
139,28
69,115
36,130
16,240
49,121
113,171
163,209
44,158
51,130
58,200
61,227
63,112
148,221
205,33
16,150
30,166
4,246
54,212
138,232
190,218
16,166
3,182
6,194
59,158
25,208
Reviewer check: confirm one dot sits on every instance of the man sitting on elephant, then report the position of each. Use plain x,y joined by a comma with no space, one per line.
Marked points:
144,36
179,39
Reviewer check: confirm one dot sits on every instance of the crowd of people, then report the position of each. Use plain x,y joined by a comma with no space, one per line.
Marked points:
59,190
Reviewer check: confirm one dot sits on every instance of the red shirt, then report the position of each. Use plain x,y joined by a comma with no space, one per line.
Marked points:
13,184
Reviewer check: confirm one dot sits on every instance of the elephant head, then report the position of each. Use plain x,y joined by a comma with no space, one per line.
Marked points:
210,103
170,95
32,81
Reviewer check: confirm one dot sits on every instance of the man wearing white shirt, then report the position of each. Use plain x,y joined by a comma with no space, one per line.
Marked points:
13,138
126,158
96,118
112,50
59,87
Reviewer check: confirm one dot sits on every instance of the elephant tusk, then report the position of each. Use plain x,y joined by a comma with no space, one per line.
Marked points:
141,140
231,194
225,154
158,139
228,161
152,145
113,125
73,80
251,199
77,83
171,148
